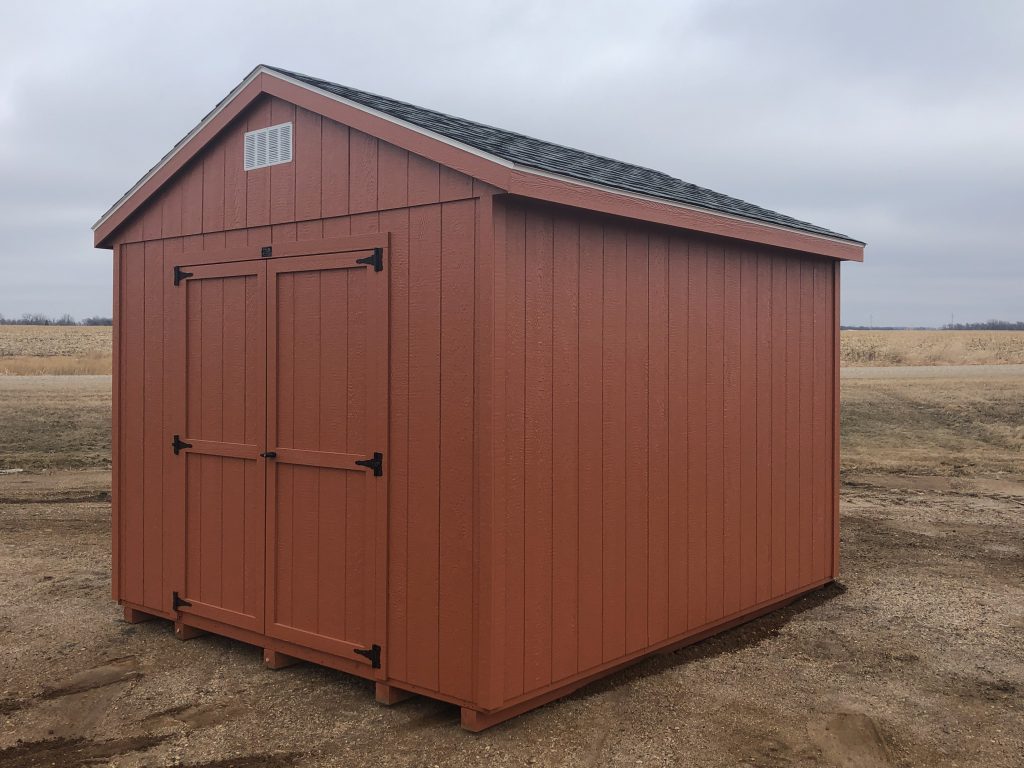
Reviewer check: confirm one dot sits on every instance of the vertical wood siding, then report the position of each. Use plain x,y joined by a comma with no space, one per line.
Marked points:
340,183
668,423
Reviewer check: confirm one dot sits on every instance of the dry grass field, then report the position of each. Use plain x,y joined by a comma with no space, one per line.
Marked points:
32,350
913,659
931,347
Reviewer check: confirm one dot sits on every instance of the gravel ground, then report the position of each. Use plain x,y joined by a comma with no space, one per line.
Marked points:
914,659
935,372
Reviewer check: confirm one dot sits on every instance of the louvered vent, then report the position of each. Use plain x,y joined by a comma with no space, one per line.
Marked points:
268,146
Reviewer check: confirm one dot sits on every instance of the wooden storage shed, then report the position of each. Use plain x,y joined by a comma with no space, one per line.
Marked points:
469,414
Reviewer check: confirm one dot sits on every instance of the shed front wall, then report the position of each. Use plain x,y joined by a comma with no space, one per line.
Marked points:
665,438
341,183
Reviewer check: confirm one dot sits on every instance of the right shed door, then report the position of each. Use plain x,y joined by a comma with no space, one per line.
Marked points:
327,353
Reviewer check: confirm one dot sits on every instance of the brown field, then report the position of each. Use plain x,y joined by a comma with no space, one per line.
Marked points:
913,659
931,347
32,350
29,350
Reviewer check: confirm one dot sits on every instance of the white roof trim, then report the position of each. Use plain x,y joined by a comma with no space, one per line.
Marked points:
263,70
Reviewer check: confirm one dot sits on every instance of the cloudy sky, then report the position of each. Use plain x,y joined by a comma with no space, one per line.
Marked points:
898,123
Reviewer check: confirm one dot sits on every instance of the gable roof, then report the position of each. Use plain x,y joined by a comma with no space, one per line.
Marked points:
564,161
509,162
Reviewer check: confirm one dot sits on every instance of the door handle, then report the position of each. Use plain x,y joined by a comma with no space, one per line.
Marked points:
269,454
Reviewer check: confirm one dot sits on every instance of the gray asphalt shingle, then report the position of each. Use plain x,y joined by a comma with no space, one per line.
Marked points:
564,161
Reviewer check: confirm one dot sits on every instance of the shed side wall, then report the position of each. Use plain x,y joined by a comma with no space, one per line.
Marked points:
667,437
341,182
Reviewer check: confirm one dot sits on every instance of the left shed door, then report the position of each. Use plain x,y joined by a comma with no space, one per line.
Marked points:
225,427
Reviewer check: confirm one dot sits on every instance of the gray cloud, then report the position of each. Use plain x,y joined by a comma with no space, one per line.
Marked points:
898,123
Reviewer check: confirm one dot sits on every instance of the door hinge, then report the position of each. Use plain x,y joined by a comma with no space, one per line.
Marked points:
376,260
177,444
177,603
180,274
376,463
372,653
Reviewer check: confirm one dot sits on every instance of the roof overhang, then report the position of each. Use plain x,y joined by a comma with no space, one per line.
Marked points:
503,175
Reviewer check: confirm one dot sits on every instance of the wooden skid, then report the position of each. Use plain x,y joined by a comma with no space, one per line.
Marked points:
135,616
275,660
389,695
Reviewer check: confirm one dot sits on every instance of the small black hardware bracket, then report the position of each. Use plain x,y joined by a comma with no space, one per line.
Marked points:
269,454
180,274
376,463
266,251
177,444
376,260
372,653
178,603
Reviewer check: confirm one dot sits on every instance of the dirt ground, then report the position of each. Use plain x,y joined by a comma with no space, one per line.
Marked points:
914,659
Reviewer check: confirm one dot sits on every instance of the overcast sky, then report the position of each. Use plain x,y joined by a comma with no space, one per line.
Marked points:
898,123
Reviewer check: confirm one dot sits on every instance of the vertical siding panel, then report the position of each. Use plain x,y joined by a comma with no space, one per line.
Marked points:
792,395
362,151
234,177
424,441
397,223
636,459
697,401
454,185
491,662
748,425
806,423
192,199
834,408
590,443
715,414
116,389
282,177
538,511
153,446
764,442
334,169
171,224
565,447
515,445
393,176
308,165
152,217
678,435
614,457
213,188
134,397
778,424
820,426
424,180
456,484
658,442
732,478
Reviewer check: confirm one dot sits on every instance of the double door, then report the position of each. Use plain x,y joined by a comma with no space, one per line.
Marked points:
283,439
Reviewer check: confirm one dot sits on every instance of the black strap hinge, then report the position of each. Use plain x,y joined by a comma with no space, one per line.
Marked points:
180,274
372,653
376,260
376,463
177,603
178,444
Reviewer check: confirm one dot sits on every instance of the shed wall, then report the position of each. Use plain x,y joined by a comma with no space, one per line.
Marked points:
664,441
342,182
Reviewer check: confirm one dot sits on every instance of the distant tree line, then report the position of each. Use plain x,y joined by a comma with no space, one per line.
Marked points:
988,325
30,318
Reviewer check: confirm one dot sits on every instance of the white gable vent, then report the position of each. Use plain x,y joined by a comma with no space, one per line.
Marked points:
268,146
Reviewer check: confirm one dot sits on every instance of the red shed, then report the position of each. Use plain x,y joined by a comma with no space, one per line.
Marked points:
469,414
